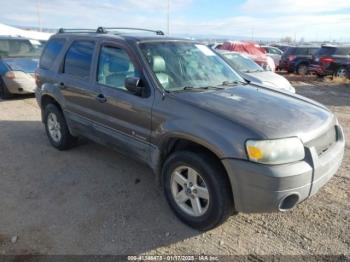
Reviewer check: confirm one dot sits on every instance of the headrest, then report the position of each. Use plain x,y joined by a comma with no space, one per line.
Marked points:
158,64
118,64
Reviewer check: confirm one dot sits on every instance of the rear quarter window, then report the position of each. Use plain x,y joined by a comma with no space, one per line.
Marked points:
50,53
78,59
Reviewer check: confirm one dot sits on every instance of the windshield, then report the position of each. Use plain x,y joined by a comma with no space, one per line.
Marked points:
242,63
27,65
182,65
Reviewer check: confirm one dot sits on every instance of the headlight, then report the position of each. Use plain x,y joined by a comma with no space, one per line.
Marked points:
277,151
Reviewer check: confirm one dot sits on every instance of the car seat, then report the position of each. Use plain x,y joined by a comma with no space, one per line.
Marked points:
159,68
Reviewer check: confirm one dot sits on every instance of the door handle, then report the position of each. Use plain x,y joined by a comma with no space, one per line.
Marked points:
101,98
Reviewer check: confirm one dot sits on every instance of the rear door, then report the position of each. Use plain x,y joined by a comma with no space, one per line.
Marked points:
125,118
75,83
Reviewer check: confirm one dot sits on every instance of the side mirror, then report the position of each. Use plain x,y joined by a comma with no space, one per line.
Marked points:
133,85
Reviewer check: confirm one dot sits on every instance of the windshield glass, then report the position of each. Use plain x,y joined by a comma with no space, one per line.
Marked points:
242,63
27,65
182,65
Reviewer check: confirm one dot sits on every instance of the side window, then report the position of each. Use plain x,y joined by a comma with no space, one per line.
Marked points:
114,66
302,51
50,53
342,51
312,51
275,51
78,59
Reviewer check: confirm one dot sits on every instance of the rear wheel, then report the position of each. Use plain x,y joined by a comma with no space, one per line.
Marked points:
197,189
342,73
57,129
302,69
4,93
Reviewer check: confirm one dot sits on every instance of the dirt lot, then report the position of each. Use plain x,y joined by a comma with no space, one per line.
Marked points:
91,200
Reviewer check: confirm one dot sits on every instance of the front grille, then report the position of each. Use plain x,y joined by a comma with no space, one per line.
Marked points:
324,141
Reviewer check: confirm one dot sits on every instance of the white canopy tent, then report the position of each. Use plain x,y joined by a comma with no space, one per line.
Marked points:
6,30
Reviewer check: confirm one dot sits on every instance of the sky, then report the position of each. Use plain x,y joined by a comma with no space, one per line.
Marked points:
312,20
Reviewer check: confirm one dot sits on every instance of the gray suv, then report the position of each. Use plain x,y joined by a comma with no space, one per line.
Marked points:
217,144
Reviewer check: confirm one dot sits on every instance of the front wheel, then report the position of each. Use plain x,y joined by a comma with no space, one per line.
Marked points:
57,129
197,189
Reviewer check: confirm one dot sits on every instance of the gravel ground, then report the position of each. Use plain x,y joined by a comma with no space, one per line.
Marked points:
91,200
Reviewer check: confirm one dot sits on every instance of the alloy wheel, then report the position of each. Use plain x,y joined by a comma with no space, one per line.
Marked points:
189,191
342,73
54,127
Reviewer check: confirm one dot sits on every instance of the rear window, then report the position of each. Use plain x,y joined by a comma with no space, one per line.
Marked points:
79,58
51,51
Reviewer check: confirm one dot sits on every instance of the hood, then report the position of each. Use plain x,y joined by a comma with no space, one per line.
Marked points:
268,113
270,80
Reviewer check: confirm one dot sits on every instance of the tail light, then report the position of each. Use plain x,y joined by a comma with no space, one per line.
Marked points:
326,60
291,58
10,75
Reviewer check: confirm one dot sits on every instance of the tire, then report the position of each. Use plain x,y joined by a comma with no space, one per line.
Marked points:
342,73
55,123
302,69
212,177
4,93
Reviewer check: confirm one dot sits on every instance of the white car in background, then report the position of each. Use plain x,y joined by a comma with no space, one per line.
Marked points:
19,59
254,73
274,53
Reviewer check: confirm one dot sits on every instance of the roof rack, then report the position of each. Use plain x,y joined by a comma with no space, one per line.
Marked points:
104,30
108,29
76,30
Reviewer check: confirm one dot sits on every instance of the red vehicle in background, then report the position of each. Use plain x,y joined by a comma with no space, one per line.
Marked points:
254,51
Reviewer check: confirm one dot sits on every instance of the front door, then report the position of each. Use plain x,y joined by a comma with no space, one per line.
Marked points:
125,117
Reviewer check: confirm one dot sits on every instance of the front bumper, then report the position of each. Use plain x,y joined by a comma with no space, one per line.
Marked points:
263,188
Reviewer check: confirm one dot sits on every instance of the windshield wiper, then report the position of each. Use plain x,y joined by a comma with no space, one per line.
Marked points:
200,88
254,71
233,83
